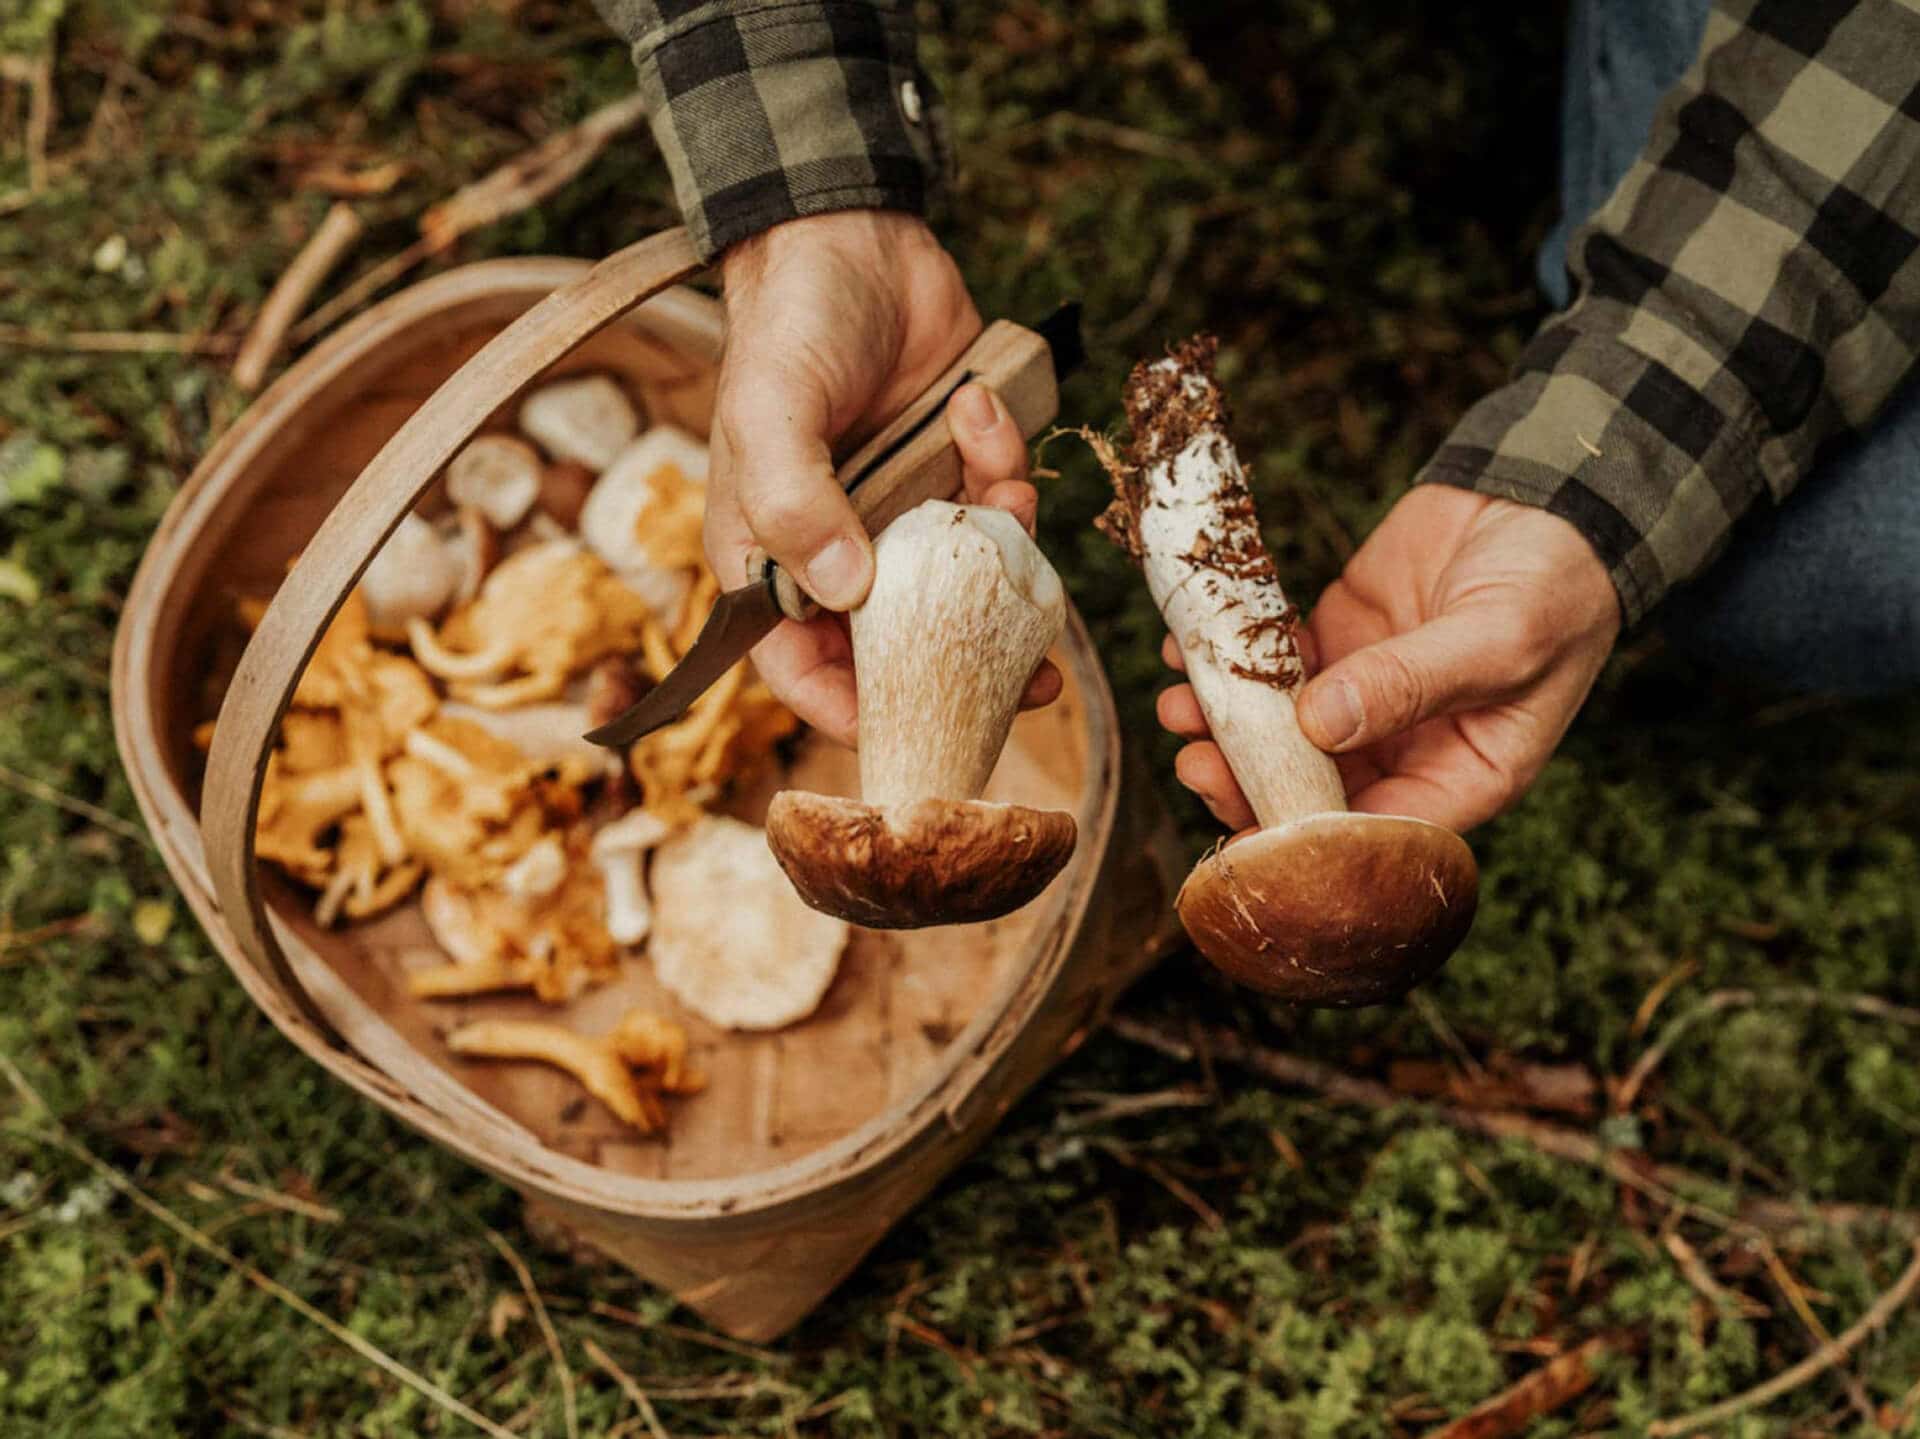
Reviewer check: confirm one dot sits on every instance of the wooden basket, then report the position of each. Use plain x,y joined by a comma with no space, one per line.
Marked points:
810,1142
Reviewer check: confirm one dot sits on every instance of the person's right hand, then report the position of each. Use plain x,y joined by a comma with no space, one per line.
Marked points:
835,323
1451,656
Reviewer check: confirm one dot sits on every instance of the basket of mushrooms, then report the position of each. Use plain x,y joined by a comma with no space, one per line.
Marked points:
722,1003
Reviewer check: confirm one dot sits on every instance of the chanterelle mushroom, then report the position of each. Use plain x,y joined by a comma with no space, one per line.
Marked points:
1321,906
730,940
963,608
642,1041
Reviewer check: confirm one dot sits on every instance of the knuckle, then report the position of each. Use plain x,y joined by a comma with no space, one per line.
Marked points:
780,514
1400,688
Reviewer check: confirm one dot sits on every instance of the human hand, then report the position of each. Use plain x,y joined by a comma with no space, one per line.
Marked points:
835,323
1452,654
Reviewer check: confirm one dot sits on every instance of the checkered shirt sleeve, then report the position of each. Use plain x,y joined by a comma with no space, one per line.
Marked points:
768,111
1748,295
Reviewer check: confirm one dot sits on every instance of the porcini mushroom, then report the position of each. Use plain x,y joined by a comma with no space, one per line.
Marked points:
963,608
498,476
589,419
730,940
1321,906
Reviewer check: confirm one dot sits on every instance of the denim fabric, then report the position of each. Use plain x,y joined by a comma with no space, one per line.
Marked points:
1821,592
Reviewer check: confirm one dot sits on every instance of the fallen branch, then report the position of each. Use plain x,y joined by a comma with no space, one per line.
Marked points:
1724,999
1814,1365
529,178
1557,1382
1665,1183
520,184
324,249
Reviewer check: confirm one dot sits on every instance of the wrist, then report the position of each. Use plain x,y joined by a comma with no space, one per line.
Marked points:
875,235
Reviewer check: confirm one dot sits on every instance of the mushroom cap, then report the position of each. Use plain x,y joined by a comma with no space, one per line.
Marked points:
1333,909
730,940
935,861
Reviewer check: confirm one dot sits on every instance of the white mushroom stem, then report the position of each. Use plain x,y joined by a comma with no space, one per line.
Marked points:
619,851
538,872
1186,513
962,610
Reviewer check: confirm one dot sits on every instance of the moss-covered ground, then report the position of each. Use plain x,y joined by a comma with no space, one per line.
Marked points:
1349,195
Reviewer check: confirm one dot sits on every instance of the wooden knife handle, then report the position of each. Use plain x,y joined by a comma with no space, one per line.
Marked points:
913,459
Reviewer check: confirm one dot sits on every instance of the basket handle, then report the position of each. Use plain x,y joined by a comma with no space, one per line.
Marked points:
331,565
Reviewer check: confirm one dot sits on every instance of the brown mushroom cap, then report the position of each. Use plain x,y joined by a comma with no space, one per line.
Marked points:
1333,909
935,861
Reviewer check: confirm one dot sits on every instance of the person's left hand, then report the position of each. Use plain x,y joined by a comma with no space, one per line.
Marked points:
1452,655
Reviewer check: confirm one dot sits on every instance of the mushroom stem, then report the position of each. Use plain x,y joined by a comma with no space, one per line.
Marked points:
1185,512
1320,906
963,608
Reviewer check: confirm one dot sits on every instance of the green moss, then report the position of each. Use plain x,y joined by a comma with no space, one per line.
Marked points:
1347,195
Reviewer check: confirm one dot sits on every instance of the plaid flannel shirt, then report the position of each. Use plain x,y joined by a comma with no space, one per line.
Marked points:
1749,294
767,110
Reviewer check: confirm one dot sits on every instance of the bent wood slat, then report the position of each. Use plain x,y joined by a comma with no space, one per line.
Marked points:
345,545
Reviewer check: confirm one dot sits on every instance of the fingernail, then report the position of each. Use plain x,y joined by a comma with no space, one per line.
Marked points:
977,408
837,575
1335,712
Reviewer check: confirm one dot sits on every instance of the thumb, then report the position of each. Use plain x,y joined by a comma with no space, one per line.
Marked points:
1386,688
775,422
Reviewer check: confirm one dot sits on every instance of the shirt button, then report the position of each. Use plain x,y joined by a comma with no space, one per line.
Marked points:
910,101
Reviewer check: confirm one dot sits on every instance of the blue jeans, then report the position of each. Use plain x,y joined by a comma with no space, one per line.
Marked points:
1821,592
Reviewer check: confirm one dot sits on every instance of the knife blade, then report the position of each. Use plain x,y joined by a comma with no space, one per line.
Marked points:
911,460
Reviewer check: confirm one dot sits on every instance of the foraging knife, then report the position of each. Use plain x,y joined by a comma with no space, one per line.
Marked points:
911,460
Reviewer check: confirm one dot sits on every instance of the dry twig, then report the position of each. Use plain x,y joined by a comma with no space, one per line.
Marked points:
1725,999
1814,1365
520,184
1796,1297
336,235
1660,1182
1554,1383
116,342
628,1385
39,789
547,1331
292,1203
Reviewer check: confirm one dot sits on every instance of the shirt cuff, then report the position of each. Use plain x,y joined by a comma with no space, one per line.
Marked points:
767,113
1608,436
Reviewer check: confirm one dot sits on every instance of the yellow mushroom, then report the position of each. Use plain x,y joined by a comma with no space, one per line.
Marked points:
605,1066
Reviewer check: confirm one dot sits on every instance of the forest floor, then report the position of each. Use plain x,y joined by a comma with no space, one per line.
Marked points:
1172,1234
